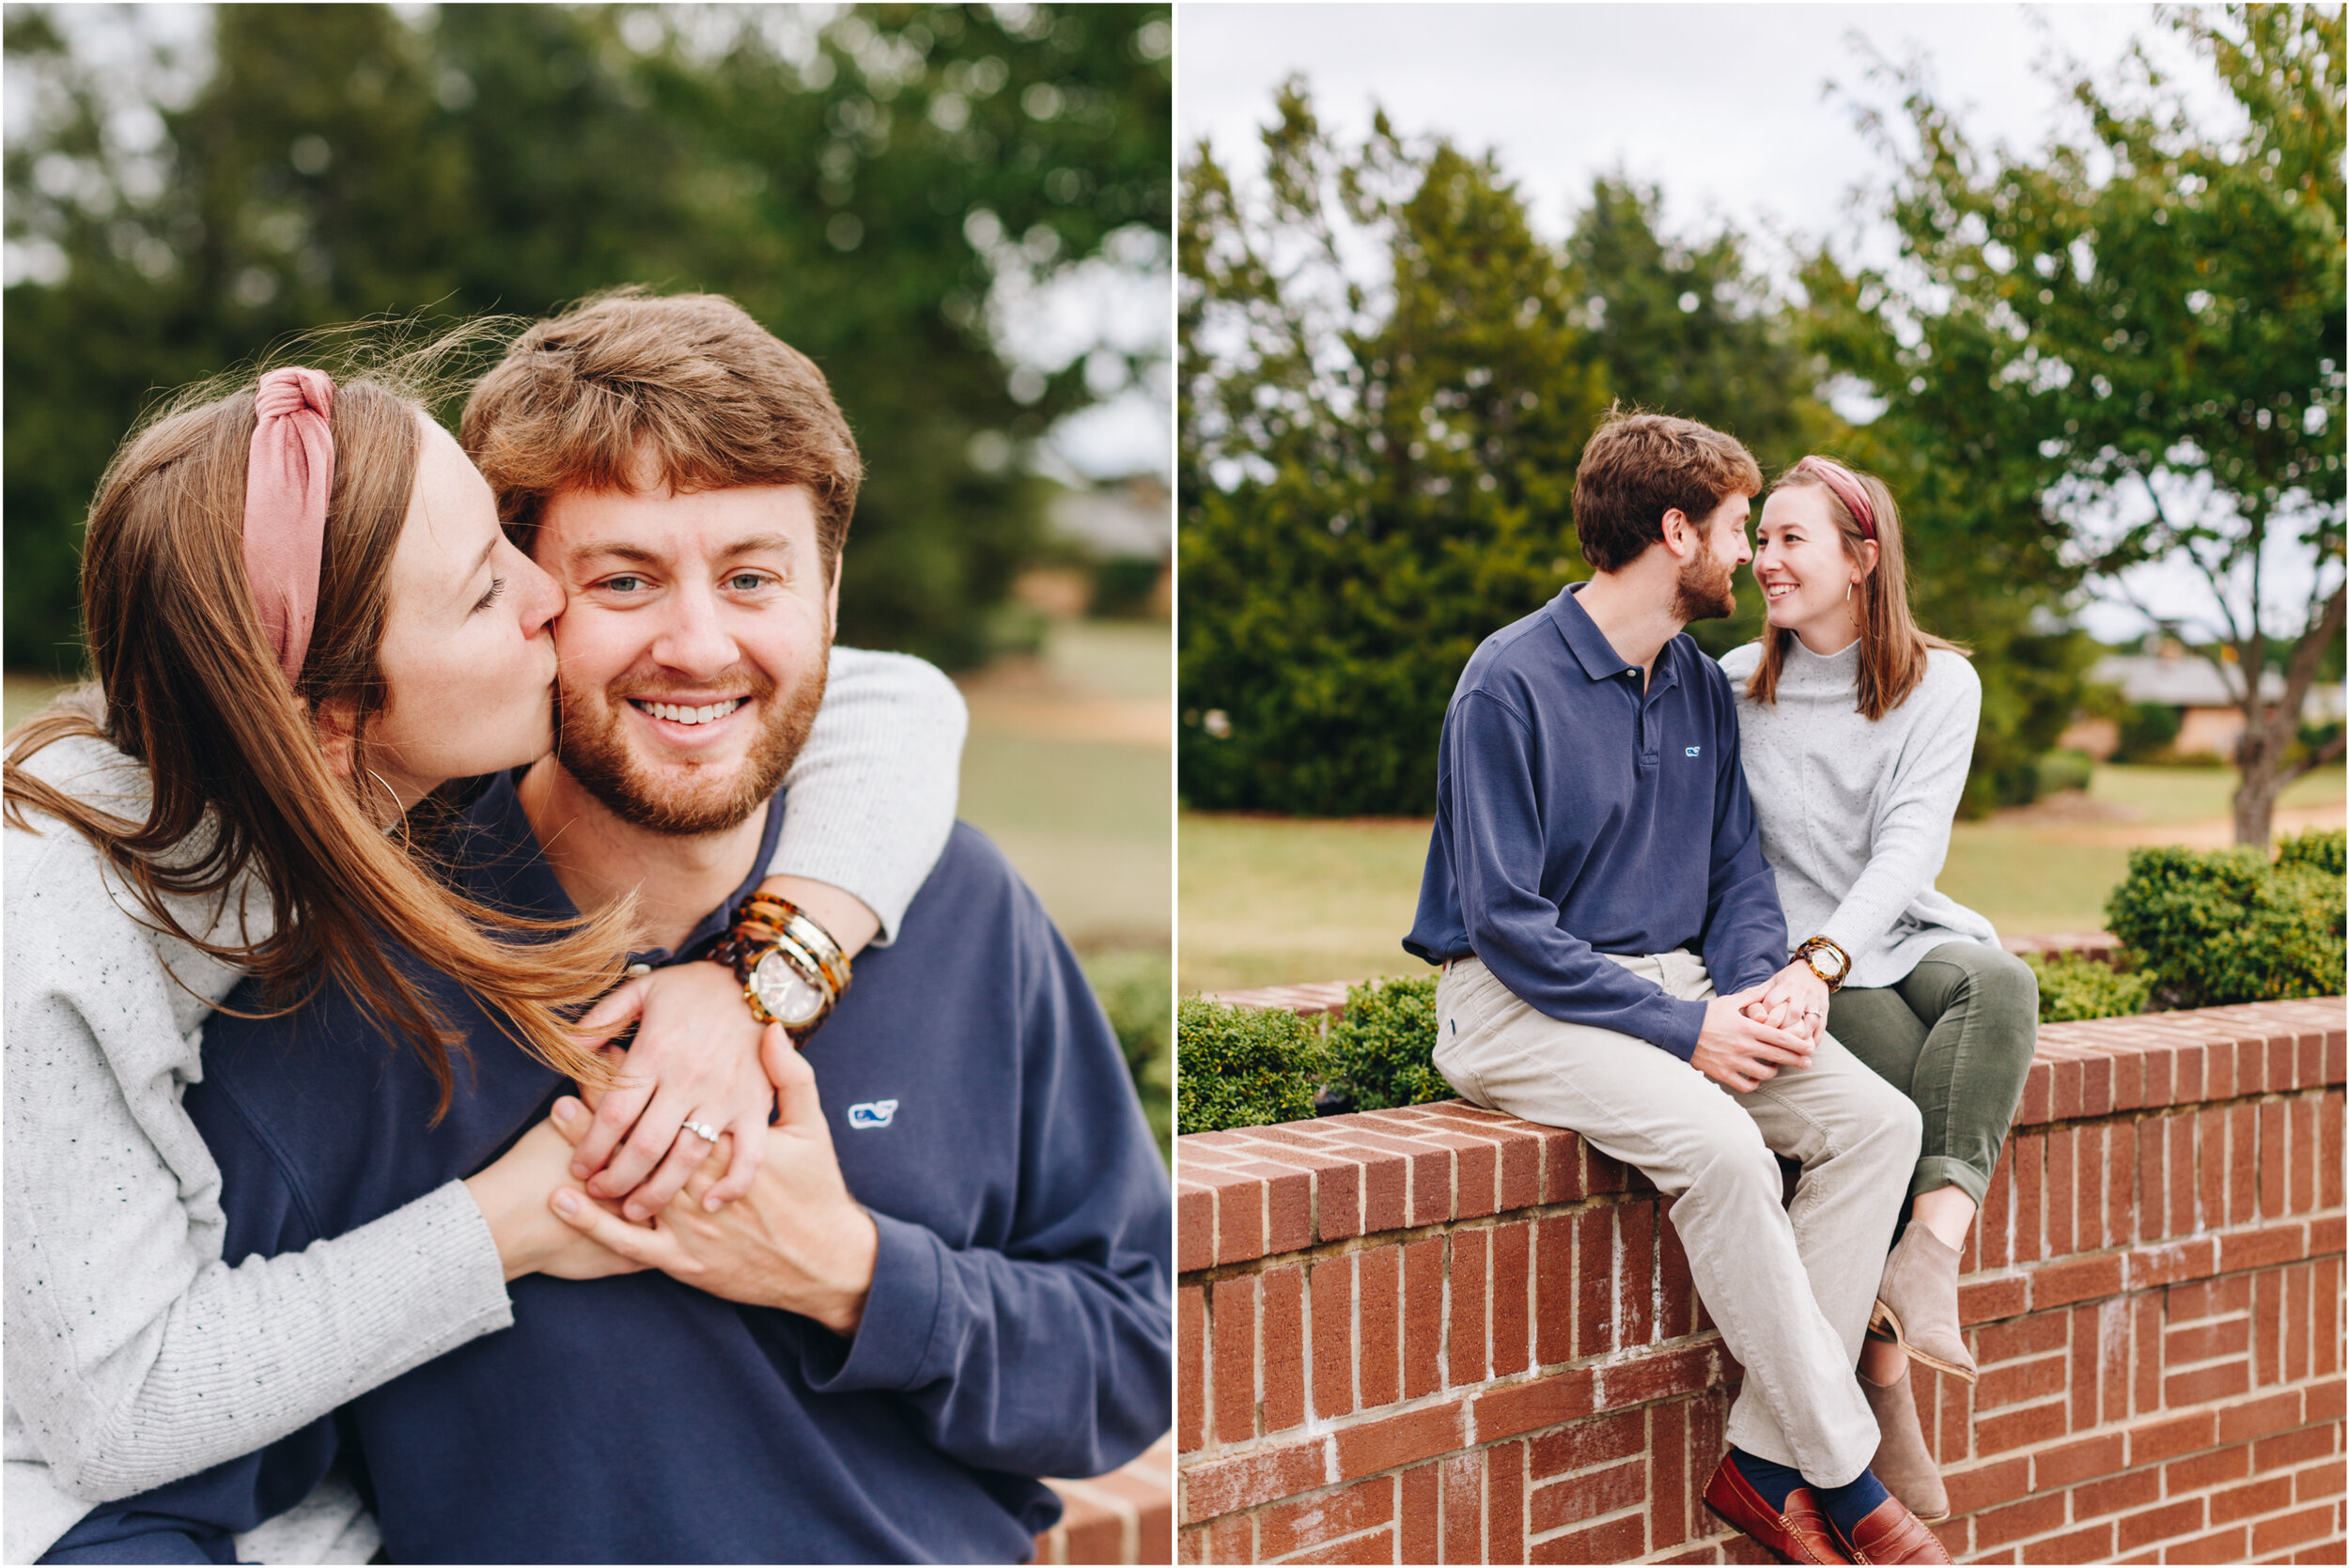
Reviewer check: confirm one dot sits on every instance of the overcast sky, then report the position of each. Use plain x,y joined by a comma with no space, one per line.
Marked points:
1744,112
1737,111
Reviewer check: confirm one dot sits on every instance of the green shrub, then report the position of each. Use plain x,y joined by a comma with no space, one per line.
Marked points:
2065,768
2326,849
2226,925
1244,1066
2146,731
1381,1052
1136,987
1123,585
2073,988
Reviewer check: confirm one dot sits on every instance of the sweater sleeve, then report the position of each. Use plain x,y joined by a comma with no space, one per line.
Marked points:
1908,835
1051,1355
874,791
135,1355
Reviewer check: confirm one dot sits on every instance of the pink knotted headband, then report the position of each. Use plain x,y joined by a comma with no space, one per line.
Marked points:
1845,484
287,483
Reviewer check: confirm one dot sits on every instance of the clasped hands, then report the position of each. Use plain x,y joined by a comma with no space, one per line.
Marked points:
1749,1037
763,1216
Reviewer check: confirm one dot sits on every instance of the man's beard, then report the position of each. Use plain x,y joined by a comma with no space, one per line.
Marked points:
686,798
1706,590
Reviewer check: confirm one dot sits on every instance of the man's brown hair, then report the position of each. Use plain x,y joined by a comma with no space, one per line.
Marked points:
626,392
1636,467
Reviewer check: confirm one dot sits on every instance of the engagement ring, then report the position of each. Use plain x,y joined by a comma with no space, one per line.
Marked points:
702,1131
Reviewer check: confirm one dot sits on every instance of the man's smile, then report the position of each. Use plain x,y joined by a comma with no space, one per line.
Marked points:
689,713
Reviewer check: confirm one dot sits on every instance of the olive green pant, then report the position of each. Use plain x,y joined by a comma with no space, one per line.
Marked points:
1955,1036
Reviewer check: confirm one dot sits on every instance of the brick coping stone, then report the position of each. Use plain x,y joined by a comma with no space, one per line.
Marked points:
1254,1192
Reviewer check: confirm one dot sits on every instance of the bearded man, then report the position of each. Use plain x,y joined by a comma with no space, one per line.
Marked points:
951,1273
1596,895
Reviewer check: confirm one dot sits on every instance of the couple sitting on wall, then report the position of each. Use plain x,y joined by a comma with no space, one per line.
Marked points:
1610,889
351,1235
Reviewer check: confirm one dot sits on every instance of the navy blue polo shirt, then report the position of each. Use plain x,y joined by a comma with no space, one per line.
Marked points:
1019,1324
1578,814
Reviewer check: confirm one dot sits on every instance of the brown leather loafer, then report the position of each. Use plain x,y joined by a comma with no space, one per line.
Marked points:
1798,1533
1893,1534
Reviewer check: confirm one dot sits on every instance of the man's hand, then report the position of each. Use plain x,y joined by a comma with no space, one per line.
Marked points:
1793,999
512,1194
696,1058
1742,1052
797,1240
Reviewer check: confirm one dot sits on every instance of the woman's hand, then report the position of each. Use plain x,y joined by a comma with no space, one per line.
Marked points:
799,1241
512,1192
1743,1050
695,1058
1793,999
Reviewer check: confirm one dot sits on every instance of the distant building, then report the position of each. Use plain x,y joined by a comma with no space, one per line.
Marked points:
1131,518
1123,532
2204,694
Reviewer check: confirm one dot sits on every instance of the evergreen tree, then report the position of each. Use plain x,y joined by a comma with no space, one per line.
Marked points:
1376,475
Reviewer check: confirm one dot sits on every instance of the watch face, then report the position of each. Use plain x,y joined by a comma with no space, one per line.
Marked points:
787,997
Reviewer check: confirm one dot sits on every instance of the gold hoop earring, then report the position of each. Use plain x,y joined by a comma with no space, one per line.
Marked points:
399,813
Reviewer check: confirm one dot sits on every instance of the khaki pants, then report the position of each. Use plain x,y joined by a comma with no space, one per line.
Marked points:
1789,1284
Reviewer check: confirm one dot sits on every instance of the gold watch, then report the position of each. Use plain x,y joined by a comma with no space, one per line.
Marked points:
792,971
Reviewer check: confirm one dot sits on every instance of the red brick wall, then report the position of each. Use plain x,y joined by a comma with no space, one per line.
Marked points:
1438,1334
1127,1516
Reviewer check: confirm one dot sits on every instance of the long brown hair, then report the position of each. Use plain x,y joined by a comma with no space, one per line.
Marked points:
188,684
1892,647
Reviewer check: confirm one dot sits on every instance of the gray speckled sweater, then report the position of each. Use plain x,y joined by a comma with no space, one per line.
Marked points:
133,1354
1854,812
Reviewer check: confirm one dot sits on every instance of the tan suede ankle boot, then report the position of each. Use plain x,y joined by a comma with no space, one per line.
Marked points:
1902,1462
1917,1303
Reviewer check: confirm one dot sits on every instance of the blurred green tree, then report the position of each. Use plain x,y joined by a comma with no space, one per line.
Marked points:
883,188
2132,345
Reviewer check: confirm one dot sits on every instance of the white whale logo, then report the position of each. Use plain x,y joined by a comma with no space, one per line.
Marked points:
872,1113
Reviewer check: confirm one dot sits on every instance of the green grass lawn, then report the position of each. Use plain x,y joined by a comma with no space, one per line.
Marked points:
1272,900
2192,794
1089,822
1087,826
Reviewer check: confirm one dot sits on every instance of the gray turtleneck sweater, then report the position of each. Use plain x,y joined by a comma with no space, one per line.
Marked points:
1854,812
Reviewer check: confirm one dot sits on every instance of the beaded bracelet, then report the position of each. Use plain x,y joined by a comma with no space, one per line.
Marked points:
1808,953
